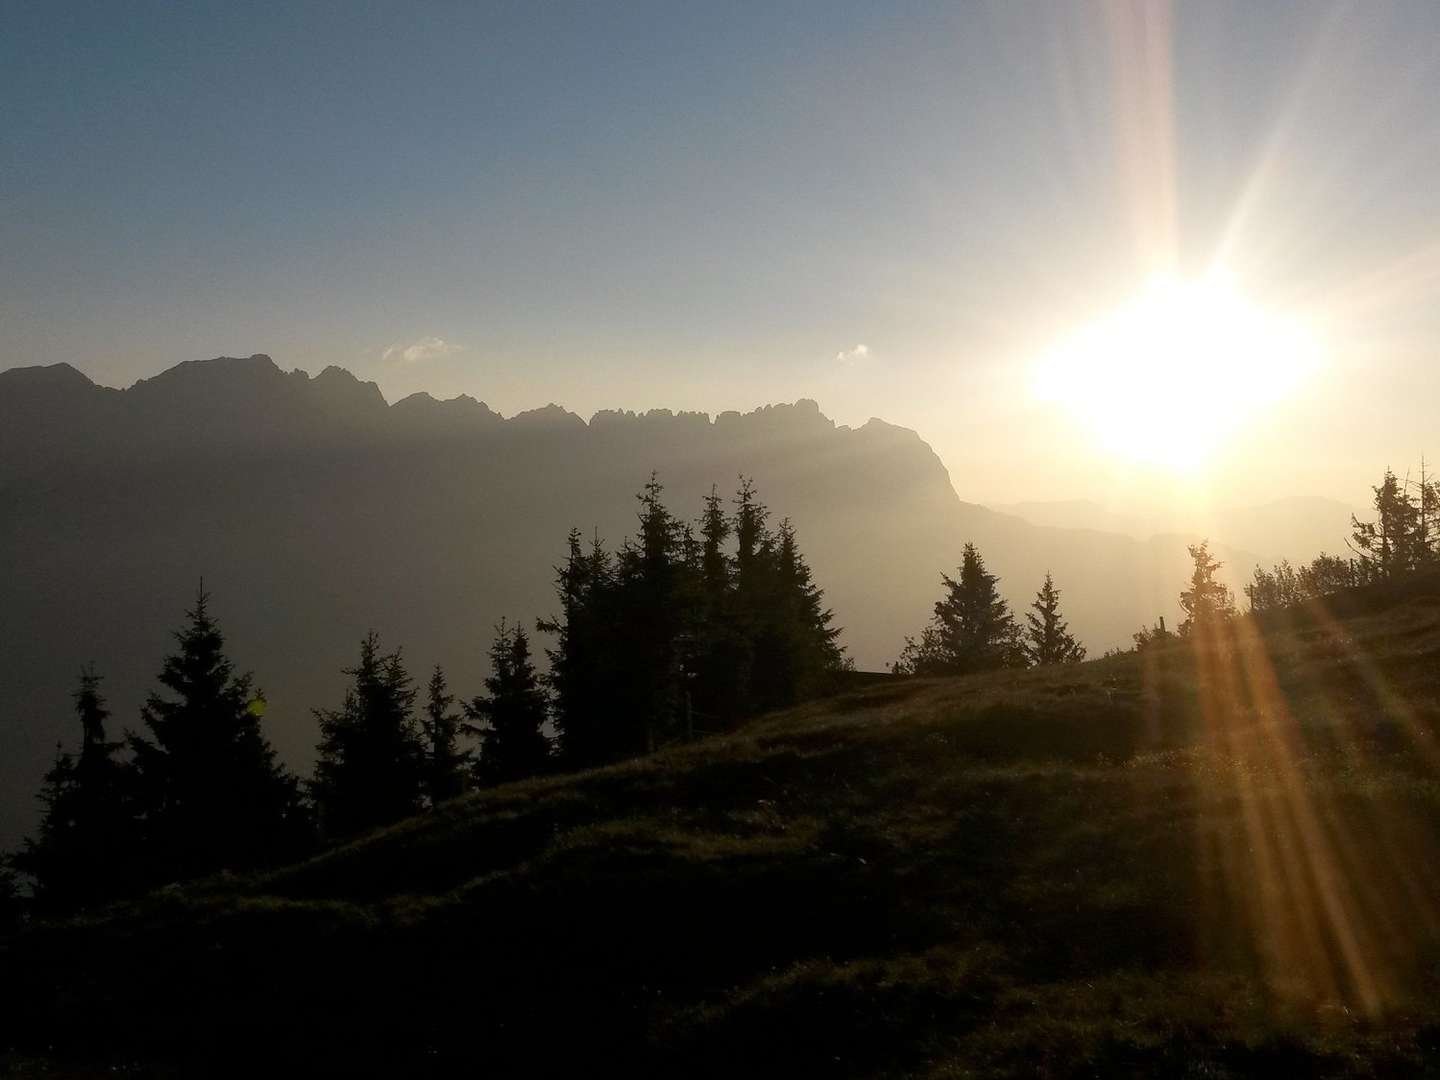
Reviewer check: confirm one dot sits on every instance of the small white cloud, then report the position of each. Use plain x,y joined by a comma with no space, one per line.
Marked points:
851,357
427,348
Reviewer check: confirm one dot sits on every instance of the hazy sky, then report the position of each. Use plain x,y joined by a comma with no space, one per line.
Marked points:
894,209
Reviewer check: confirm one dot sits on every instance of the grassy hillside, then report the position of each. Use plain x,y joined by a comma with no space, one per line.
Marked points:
1202,862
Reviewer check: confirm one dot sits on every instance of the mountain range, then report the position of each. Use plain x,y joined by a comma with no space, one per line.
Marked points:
314,511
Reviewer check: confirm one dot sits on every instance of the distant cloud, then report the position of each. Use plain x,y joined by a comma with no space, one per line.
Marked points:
850,357
427,348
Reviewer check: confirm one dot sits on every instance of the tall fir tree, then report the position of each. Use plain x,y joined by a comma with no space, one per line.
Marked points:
509,719
86,848
370,769
1389,545
583,679
972,629
652,578
211,792
1207,603
798,652
1047,638
445,763
719,649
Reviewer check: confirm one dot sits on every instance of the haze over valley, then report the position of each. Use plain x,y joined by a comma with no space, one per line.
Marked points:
316,511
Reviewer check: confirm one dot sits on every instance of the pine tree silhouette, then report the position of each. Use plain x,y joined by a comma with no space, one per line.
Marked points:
1207,603
371,765
445,762
86,848
1047,636
797,652
585,676
972,629
510,718
1390,544
210,789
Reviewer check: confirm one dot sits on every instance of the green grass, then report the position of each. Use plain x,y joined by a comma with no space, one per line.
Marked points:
1204,863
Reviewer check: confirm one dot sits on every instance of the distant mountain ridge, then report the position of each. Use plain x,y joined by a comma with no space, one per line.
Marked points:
315,510
1295,527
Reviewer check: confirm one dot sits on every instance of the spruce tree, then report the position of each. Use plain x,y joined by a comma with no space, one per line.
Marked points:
972,629
371,765
755,591
1427,518
798,652
1207,603
509,718
211,791
584,673
651,615
445,762
1390,544
719,648
1047,636
86,848
715,571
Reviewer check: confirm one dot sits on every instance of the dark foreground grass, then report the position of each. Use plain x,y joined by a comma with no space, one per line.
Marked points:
1207,862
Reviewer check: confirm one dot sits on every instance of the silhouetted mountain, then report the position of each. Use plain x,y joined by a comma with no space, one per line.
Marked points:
315,511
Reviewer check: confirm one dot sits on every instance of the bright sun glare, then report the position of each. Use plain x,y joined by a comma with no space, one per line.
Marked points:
1168,377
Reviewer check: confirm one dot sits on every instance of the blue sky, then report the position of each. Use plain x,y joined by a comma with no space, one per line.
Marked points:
712,206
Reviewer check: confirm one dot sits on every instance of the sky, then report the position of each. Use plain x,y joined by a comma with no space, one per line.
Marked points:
899,210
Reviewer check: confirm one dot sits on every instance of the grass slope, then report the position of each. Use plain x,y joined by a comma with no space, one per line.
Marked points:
1214,861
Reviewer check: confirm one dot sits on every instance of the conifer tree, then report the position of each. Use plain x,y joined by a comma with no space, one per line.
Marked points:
86,848
719,650
445,762
654,590
715,572
584,679
972,629
1047,636
210,789
509,718
371,765
1389,545
1207,603
755,590
797,650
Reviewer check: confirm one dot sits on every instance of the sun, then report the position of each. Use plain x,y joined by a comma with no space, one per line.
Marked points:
1168,377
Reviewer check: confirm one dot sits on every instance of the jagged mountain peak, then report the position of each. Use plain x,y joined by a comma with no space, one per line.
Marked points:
216,369
550,415
60,376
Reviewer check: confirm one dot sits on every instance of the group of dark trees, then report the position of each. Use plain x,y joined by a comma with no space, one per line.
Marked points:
199,789
973,629
1403,538
685,627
